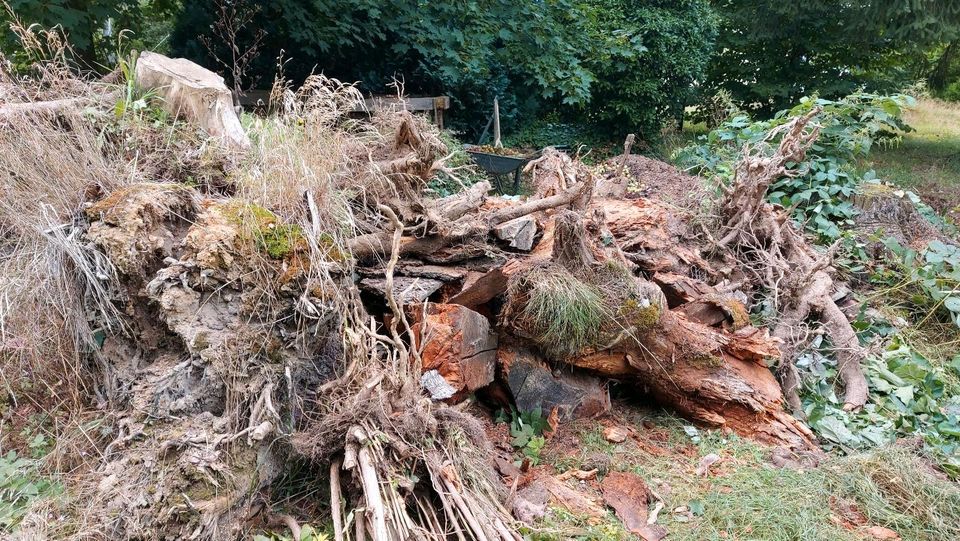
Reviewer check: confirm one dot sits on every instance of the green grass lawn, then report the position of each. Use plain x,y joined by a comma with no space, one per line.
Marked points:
927,160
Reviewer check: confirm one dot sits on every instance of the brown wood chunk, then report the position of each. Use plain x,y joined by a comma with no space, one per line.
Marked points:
457,344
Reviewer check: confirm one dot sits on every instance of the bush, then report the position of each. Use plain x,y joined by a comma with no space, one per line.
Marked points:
648,56
952,92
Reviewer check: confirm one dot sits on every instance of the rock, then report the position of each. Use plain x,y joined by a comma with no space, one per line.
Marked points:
437,387
193,92
459,346
534,385
520,232
406,290
615,434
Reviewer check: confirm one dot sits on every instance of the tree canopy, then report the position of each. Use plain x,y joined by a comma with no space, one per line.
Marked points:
617,65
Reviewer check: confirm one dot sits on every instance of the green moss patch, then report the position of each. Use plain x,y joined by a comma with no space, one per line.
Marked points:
270,235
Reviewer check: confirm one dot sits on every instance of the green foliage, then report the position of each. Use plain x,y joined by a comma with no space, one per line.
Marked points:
952,92
521,51
553,130
526,431
624,64
91,25
769,54
928,282
647,57
908,397
849,130
20,486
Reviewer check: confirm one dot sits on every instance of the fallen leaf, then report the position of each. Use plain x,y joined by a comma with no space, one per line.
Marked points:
581,475
704,467
553,421
879,532
627,494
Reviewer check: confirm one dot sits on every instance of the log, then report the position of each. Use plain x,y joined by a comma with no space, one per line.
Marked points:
712,375
12,110
718,378
535,385
459,345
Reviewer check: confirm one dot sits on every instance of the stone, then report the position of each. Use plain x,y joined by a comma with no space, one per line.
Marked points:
459,346
193,92
534,384
519,232
406,290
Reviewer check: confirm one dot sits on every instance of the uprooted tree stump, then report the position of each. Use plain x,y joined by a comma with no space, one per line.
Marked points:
781,262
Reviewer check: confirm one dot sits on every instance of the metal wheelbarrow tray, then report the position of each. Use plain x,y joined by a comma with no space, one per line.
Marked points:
496,164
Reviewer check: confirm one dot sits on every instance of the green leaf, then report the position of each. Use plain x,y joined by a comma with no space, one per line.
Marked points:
696,507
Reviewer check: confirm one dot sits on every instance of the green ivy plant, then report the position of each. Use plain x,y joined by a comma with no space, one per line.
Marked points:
819,192
928,281
908,397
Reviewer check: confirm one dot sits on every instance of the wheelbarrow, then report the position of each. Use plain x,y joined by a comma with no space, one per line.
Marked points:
498,166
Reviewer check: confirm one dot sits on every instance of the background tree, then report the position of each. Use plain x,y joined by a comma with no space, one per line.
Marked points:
647,58
625,64
769,54
92,25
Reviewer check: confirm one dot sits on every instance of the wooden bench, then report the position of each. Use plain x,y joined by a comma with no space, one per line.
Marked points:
435,104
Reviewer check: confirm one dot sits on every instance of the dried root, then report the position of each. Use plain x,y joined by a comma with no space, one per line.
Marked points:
765,241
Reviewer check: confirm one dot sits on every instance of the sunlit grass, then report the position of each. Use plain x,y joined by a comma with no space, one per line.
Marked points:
927,159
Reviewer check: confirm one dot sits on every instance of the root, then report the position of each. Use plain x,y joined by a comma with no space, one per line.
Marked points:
766,243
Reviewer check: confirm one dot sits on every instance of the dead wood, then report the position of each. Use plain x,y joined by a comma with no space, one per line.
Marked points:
714,376
785,266
53,107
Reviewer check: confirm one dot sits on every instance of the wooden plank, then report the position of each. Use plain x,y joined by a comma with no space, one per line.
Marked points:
410,103
416,104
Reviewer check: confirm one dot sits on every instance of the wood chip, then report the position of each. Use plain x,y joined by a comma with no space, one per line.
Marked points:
615,434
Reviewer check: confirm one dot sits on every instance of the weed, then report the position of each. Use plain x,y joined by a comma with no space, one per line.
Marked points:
526,431
20,486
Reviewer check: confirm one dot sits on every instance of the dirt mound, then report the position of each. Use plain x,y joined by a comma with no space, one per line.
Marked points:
641,176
